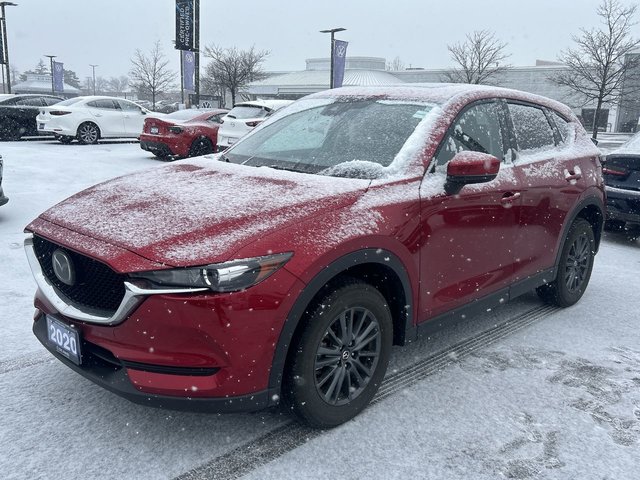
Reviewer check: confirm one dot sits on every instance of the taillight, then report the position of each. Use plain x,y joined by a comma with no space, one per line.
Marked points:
613,171
58,113
175,129
252,124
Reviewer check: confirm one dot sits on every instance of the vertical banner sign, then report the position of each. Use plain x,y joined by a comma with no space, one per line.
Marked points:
185,25
1,51
58,77
188,70
339,61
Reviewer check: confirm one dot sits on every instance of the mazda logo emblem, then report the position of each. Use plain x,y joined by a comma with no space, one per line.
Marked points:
63,267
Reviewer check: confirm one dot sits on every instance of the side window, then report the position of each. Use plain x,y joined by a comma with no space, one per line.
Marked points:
214,119
128,106
531,126
104,104
50,100
477,129
30,101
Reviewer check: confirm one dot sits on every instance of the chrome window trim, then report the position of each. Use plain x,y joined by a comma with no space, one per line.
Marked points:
133,296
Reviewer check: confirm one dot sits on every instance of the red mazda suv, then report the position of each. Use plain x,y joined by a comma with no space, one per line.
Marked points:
286,268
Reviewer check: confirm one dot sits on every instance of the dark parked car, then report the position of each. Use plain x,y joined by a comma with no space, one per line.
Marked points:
185,133
18,114
350,221
621,173
3,199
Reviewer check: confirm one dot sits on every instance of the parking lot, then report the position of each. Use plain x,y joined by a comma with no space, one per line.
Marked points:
523,391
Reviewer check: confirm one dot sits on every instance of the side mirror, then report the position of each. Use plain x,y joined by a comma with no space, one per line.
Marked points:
470,167
595,141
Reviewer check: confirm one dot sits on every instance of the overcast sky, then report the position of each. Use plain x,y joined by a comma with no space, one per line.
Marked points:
107,32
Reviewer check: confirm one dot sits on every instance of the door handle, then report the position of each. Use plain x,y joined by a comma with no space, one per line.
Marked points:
509,197
98,114
576,174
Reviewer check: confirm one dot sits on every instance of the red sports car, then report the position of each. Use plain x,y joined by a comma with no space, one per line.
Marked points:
185,133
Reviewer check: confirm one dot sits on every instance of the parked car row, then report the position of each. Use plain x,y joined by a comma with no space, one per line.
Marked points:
286,271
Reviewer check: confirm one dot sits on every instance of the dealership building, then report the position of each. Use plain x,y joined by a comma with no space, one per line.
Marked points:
371,71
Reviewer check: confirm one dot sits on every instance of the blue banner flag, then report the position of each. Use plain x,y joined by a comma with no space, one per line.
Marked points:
188,70
185,19
58,77
339,61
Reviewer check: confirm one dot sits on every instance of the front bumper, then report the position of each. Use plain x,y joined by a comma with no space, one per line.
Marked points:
114,376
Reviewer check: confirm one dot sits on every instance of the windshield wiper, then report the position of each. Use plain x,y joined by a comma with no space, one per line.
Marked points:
279,167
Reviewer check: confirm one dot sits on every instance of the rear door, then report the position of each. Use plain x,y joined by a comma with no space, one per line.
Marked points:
108,116
469,237
552,181
133,118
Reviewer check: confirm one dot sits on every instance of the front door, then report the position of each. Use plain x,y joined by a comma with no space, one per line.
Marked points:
469,237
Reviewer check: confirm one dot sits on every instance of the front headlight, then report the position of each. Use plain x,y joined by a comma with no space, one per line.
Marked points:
220,277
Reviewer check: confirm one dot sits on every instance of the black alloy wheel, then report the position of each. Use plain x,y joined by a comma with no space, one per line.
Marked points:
201,146
341,356
574,268
88,133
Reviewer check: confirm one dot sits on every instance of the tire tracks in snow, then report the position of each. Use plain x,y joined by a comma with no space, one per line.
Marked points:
25,361
262,450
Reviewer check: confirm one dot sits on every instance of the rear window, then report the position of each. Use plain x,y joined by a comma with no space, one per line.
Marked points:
183,114
247,111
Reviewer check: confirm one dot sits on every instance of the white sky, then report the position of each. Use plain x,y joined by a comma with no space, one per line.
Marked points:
82,32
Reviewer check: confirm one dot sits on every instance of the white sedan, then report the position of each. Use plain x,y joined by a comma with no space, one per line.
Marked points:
91,118
244,117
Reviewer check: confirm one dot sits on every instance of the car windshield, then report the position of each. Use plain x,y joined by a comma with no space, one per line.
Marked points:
248,111
354,138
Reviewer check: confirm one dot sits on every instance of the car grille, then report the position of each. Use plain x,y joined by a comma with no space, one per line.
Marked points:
96,286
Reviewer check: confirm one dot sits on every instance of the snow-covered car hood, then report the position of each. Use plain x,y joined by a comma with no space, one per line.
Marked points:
199,211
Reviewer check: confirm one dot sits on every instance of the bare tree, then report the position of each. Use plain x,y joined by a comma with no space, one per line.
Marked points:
118,84
599,64
395,65
231,69
150,74
479,58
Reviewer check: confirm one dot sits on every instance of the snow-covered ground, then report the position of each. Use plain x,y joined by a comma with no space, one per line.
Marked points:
521,392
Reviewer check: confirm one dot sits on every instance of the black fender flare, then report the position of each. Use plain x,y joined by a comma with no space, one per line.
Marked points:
584,203
359,257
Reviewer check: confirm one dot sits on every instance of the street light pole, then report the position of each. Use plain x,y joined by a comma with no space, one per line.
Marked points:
332,31
4,38
51,57
93,67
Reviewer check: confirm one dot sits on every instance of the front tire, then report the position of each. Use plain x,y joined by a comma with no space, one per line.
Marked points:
88,133
574,268
66,139
340,358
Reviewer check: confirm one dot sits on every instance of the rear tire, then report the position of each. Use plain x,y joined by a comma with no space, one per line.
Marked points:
338,361
201,146
88,133
574,267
